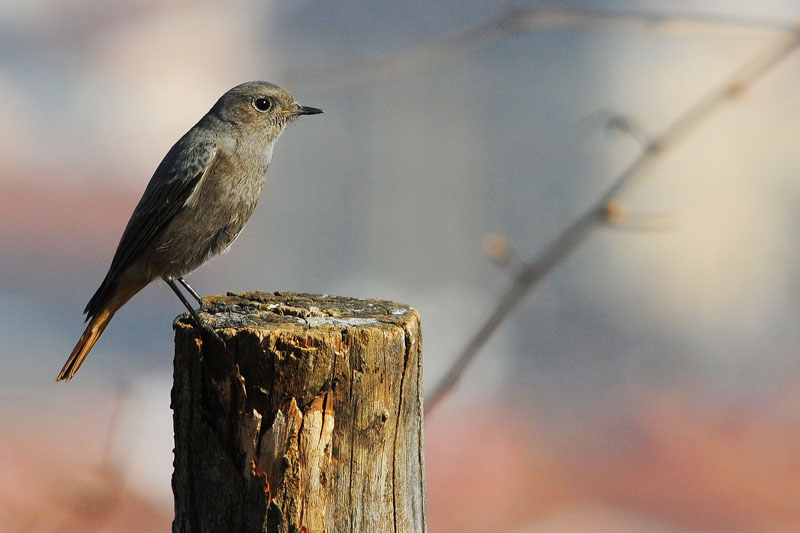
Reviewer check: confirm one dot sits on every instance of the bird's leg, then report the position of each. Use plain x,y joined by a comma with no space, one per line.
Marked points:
202,324
191,290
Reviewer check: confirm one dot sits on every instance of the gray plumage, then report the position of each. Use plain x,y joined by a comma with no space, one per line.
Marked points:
197,202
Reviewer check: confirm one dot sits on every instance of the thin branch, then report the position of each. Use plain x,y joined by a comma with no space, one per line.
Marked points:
503,254
619,123
596,216
618,217
512,22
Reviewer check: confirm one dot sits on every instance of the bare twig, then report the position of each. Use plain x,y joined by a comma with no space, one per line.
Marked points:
619,218
498,248
511,22
599,213
618,123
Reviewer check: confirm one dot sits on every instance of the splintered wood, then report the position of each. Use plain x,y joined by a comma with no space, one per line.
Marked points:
308,419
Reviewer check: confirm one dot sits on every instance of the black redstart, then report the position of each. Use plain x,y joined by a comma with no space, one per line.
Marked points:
196,203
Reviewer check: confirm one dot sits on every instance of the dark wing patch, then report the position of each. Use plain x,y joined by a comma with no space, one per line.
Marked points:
174,180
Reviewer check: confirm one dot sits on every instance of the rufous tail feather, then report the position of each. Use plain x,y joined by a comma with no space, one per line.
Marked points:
87,340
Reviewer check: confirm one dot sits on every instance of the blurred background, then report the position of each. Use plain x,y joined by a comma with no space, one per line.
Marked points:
650,383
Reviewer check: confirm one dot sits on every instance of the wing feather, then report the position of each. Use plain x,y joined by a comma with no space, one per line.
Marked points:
173,182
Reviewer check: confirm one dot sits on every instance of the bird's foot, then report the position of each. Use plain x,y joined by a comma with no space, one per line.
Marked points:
205,326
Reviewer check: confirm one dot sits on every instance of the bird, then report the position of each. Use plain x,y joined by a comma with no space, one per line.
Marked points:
195,205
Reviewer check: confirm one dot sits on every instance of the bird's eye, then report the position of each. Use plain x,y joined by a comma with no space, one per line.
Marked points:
262,104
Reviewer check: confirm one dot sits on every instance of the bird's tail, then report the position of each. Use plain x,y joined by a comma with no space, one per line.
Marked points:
120,293
87,340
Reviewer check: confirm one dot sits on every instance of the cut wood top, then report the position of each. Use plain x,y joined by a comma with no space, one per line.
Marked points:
265,310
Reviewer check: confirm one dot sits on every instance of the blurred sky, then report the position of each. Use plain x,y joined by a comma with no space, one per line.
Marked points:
390,192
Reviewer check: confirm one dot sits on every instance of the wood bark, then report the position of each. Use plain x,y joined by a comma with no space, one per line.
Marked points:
308,419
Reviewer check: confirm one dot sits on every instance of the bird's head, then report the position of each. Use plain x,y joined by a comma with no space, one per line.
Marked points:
259,106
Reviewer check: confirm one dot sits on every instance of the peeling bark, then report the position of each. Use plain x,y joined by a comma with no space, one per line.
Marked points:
310,420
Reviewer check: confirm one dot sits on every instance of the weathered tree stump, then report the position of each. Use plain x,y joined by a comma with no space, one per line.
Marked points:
310,420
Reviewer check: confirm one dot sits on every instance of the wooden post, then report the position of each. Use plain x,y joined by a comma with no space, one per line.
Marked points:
309,421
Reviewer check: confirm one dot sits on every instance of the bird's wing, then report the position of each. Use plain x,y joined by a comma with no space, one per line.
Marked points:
173,182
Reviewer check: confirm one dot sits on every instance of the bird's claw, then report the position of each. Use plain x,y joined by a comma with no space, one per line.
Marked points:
211,331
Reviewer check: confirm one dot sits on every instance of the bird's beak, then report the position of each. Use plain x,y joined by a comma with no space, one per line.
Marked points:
305,110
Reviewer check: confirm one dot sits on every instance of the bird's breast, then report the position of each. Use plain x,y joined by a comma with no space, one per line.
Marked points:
218,211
